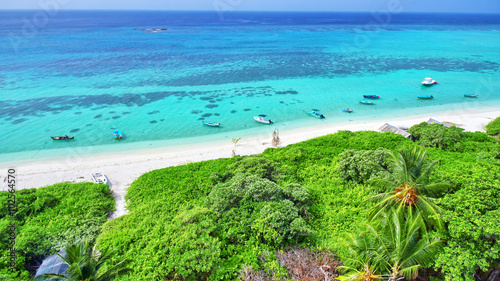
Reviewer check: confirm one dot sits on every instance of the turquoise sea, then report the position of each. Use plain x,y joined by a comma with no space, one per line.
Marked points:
83,73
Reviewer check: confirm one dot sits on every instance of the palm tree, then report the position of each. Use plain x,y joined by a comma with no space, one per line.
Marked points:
408,187
84,263
365,274
405,245
394,246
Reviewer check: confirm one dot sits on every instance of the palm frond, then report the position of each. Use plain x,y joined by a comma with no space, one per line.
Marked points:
51,277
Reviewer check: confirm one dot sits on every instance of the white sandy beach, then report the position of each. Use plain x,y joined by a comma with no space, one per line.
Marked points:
122,169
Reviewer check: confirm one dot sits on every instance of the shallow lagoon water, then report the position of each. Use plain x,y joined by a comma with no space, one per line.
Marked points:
85,74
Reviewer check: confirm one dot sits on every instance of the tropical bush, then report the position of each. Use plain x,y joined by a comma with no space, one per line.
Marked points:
51,218
250,206
436,135
473,219
360,166
493,128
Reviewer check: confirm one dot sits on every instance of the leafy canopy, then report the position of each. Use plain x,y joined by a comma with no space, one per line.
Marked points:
436,135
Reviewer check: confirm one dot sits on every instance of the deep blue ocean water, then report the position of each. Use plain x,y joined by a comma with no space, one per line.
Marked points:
83,73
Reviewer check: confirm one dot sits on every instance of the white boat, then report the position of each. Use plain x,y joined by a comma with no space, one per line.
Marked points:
262,119
428,81
99,178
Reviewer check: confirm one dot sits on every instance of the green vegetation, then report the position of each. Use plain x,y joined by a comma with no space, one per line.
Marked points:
224,219
407,187
84,263
436,135
434,208
493,128
395,246
49,219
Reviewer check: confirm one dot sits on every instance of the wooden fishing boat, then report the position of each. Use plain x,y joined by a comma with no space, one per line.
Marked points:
425,97
117,134
262,119
471,95
316,114
62,138
428,82
99,178
366,102
347,110
371,96
211,124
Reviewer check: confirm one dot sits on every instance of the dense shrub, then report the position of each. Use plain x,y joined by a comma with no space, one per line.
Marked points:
51,218
359,166
252,165
493,128
249,206
473,218
436,135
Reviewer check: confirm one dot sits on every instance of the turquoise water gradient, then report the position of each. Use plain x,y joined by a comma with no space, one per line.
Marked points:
85,80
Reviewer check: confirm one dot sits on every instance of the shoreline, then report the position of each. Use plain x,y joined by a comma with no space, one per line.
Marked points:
124,168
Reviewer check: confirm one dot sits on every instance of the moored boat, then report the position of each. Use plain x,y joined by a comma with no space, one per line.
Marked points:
471,95
63,138
366,102
262,119
428,81
371,96
117,134
211,124
347,110
99,178
425,97
316,114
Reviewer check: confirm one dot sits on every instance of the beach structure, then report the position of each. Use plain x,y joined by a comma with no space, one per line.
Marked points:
53,264
434,121
390,128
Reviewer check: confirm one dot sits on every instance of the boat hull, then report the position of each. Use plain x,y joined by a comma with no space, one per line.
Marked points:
471,96
316,114
345,110
425,97
117,134
212,124
63,138
262,120
371,96
366,102
99,178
